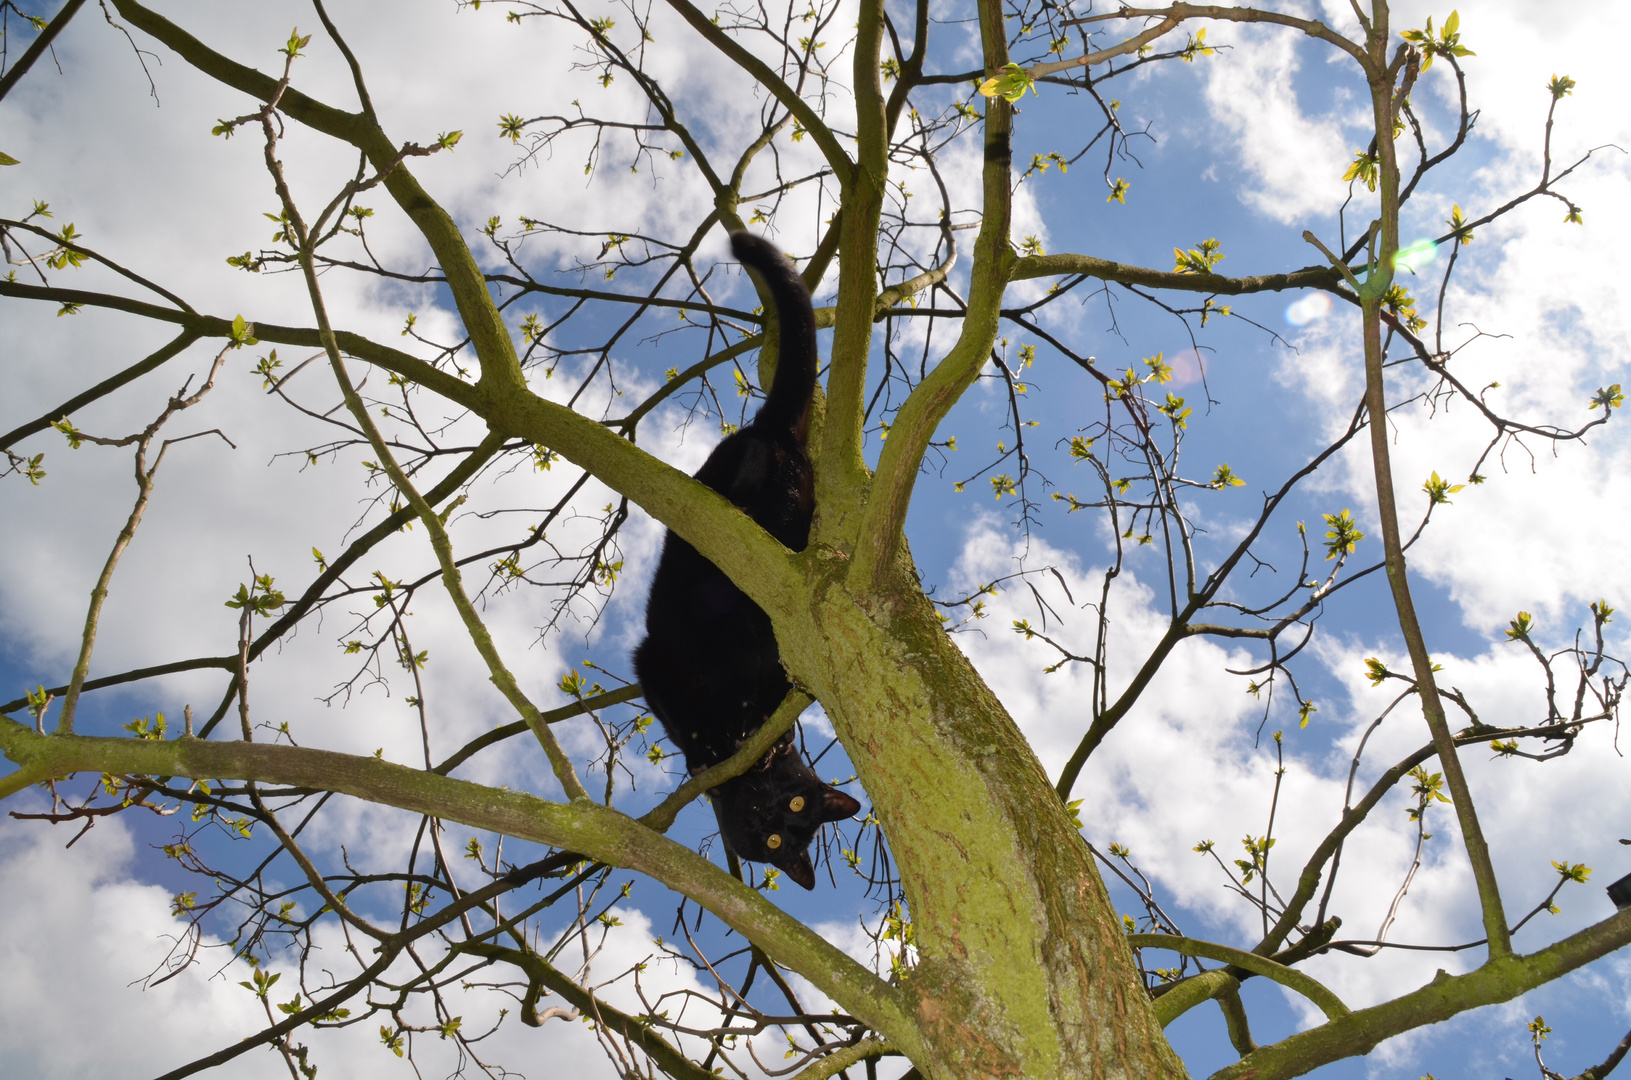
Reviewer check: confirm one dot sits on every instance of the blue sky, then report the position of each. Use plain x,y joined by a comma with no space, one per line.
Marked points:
1248,147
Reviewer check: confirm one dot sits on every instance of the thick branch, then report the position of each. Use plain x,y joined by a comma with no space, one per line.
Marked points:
1131,45
1178,12
1193,991
1291,978
1034,266
37,49
918,418
1501,979
598,832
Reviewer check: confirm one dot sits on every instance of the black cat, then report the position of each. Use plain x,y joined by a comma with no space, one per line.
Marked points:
709,664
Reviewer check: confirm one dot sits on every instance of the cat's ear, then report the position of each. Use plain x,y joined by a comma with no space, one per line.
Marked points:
800,869
837,805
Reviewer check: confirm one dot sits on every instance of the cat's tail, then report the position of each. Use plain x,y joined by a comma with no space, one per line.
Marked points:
784,406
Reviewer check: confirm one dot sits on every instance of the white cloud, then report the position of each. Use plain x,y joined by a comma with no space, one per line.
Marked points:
80,936
84,923
1295,158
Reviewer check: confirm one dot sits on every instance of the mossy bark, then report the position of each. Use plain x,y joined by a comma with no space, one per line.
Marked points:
1023,969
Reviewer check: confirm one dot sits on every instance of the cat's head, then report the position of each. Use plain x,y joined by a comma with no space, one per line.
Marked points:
771,815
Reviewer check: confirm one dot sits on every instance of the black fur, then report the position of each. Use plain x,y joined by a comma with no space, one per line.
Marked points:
709,663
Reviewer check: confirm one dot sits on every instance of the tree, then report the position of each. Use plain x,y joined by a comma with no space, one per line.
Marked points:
1007,954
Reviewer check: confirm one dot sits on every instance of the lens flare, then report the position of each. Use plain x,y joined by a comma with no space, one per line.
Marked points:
1188,366
1416,257
1310,309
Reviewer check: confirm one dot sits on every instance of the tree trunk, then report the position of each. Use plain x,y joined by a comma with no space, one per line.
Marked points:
1023,967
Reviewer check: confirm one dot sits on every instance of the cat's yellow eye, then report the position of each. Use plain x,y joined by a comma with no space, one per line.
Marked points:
774,841
797,804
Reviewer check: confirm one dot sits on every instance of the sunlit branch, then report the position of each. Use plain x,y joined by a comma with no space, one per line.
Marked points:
1179,12
1328,1002
1131,45
1182,996
1034,266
